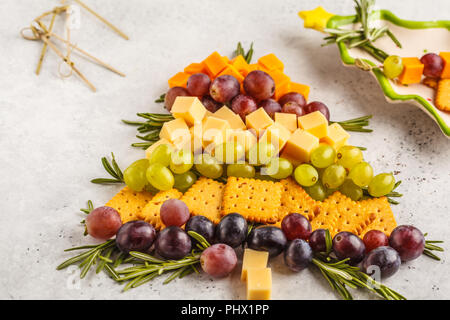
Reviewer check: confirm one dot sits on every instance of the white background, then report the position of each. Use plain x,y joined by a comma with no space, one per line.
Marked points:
53,133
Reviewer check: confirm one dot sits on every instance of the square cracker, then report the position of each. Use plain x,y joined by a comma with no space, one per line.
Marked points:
442,99
326,217
255,200
129,203
294,199
382,217
205,198
150,213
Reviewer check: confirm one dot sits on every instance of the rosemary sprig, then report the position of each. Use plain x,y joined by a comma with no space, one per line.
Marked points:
114,171
430,245
389,196
161,98
356,124
90,207
240,51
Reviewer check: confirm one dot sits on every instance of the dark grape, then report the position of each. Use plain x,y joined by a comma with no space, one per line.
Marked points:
232,230
433,65
173,243
224,88
293,107
135,236
218,260
298,255
243,105
408,241
210,104
172,94
296,226
202,225
374,239
348,245
271,239
103,222
292,97
385,258
318,106
259,85
174,212
198,84
270,106
317,240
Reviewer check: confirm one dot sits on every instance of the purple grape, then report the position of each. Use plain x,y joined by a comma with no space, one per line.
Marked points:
296,226
198,84
433,65
293,107
318,106
135,236
259,85
298,255
385,258
408,241
173,243
172,94
174,212
243,105
348,245
374,239
317,240
210,104
224,88
270,106
202,225
292,97
271,239
218,260
232,230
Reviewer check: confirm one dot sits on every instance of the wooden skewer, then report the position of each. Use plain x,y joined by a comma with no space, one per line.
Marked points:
109,24
44,47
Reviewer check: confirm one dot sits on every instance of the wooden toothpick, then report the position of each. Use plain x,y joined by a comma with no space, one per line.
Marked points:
44,47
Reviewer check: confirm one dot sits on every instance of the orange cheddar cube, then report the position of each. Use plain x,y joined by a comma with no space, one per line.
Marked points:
278,77
226,59
195,68
232,71
179,80
315,123
303,89
446,71
241,65
188,108
245,138
255,66
214,63
282,89
277,135
175,130
271,62
336,137
299,146
288,120
233,119
258,120
412,71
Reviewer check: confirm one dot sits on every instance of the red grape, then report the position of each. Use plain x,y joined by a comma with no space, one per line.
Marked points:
174,212
296,226
292,97
259,85
348,245
103,223
293,107
318,106
218,260
268,238
243,105
298,255
433,65
317,240
173,243
202,225
172,94
270,106
210,104
232,230
224,88
408,241
135,236
374,239
384,258
198,84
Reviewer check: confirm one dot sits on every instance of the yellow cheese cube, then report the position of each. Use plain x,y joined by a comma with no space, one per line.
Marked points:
288,120
233,119
183,142
299,146
258,120
259,284
243,137
174,129
315,123
253,259
150,149
196,138
277,135
214,130
190,109
336,137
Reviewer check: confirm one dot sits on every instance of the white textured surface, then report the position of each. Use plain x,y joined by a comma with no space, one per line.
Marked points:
53,133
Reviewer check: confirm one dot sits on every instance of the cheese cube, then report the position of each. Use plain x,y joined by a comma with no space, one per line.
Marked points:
278,77
233,119
282,89
336,137
299,146
271,62
150,149
446,71
232,71
179,80
188,108
277,135
196,138
195,68
288,120
174,129
412,71
241,65
259,284
303,89
258,120
315,123
245,138
253,259
214,131
214,63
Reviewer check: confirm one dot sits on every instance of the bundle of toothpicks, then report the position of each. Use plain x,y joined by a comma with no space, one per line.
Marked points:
39,31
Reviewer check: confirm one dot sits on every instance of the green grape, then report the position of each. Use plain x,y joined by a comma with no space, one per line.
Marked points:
265,177
334,176
392,66
317,191
351,190
349,156
361,174
161,154
184,181
329,191
229,152
306,175
135,175
278,168
261,153
208,166
381,184
323,156
150,188
181,161
242,170
160,177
